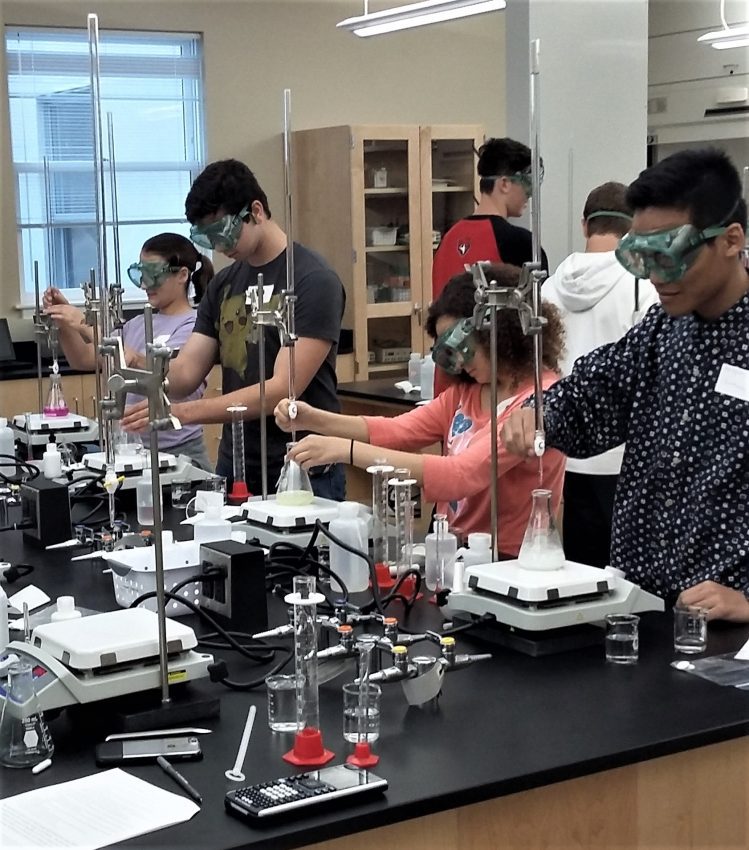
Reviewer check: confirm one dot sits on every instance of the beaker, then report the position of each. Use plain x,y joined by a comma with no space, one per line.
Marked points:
404,522
542,547
380,472
294,487
55,405
24,736
239,490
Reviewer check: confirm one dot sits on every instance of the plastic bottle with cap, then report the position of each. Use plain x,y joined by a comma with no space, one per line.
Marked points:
52,460
66,609
427,377
212,526
351,528
441,548
144,497
479,549
7,447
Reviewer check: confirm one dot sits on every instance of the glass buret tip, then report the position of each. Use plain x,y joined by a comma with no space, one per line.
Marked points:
542,547
55,404
294,487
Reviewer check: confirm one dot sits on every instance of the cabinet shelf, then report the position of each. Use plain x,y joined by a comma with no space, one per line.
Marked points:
389,309
386,192
445,189
389,367
382,249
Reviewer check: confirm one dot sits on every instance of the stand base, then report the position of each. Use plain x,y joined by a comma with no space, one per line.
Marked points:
384,580
239,493
150,713
362,756
308,750
536,644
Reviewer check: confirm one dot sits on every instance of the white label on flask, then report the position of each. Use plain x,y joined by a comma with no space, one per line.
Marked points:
733,381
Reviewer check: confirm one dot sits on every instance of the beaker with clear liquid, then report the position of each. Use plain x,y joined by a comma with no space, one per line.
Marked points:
294,487
24,736
542,547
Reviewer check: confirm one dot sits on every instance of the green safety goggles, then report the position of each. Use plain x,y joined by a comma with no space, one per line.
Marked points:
524,178
667,254
455,348
150,276
222,234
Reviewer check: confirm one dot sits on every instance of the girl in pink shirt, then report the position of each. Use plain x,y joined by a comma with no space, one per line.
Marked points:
458,480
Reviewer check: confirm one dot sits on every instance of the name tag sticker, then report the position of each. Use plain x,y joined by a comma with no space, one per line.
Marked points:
733,381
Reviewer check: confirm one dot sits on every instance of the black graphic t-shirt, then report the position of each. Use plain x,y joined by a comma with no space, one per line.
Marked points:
223,316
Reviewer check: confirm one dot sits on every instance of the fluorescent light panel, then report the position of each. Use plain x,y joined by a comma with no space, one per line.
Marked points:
417,15
736,35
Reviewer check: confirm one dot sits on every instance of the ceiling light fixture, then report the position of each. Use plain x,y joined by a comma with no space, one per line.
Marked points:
417,15
737,35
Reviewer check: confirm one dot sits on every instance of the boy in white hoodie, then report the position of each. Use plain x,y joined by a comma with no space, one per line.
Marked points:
599,302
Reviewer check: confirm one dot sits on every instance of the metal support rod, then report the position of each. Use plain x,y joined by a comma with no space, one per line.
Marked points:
288,198
494,444
157,518
260,329
37,302
535,132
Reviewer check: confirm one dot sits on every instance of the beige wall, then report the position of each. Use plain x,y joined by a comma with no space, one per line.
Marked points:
453,73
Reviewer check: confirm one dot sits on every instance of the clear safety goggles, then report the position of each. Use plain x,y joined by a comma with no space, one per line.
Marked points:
222,234
455,348
524,179
665,254
150,276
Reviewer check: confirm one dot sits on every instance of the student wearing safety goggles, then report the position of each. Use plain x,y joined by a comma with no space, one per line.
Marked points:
459,418
169,265
505,186
675,388
229,213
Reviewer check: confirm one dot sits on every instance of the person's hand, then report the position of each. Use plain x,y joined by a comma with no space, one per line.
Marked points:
316,451
65,315
133,359
519,432
135,418
303,420
52,295
720,602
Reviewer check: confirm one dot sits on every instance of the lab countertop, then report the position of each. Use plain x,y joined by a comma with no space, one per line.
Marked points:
381,390
501,726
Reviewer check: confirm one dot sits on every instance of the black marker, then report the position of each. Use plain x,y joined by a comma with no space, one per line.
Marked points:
179,779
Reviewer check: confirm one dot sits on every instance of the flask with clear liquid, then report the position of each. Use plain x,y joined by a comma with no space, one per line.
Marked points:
294,487
24,736
542,547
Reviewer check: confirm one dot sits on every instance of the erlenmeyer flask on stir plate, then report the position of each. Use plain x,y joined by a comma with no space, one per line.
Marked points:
294,487
542,546
56,405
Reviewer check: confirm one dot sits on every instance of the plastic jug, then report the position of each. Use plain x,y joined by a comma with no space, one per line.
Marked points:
427,377
212,527
479,550
52,461
350,528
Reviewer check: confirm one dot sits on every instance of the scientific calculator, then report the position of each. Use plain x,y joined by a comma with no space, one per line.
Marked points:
291,793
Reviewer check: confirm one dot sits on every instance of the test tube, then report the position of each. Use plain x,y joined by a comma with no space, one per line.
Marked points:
305,600
239,490
403,523
380,473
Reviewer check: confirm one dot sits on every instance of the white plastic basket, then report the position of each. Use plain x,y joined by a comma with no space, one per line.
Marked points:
134,573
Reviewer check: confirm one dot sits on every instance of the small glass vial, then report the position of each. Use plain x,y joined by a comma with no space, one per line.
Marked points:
542,547
24,736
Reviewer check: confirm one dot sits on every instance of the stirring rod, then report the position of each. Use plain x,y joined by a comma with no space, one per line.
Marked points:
235,774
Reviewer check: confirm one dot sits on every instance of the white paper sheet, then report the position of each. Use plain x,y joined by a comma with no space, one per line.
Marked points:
32,595
88,813
743,653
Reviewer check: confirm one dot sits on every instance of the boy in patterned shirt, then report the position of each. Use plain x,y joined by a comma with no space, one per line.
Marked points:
675,389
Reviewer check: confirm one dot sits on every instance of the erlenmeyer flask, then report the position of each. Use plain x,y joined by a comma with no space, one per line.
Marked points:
56,405
24,736
294,486
542,546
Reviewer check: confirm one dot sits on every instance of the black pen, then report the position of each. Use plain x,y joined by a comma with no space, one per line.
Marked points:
179,779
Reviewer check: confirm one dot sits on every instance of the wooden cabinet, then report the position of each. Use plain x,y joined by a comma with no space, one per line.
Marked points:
22,395
374,201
